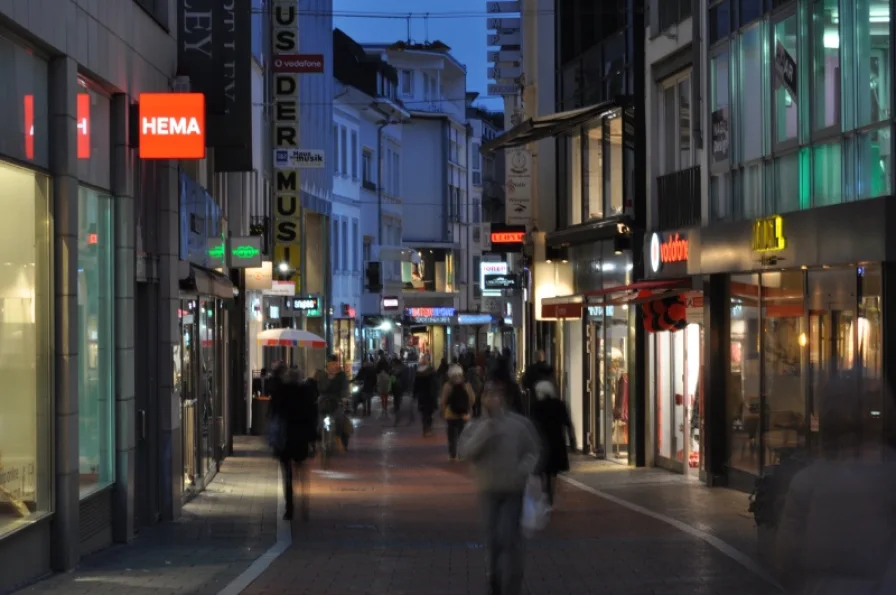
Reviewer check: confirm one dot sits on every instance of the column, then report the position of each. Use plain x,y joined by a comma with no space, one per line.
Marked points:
171,442
716,376
125,289
63,86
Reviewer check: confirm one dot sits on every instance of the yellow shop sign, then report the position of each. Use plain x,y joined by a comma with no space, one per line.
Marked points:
768,234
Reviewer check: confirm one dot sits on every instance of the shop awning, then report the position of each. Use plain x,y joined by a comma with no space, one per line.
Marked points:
202,281
639,292
569,307
540,127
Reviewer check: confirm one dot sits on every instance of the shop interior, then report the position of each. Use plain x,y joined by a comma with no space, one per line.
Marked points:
608,430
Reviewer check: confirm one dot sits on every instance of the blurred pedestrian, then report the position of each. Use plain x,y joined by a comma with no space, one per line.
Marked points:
504,450
552,419
457,403
426,392
366,376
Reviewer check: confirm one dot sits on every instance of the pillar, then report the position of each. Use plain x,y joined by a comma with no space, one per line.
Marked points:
63,86
171,442
125,329
716,376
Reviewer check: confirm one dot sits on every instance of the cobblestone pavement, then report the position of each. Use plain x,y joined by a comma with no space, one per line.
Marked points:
394,516
718,511
222,531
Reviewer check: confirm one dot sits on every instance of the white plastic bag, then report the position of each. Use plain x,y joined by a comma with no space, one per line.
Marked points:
536,510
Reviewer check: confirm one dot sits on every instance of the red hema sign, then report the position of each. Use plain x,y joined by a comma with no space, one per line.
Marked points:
172,126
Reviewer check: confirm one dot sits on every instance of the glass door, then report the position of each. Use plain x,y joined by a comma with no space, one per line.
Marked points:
596,433
616,383
188,391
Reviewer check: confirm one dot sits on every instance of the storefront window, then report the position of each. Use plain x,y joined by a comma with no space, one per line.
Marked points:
93,138
869,345
207,379
786,81
96,366
751,111
616,392
720,196
873,69
24,109
593,173
719,94
825,64
827,174
744,382
613,170
874,170
784,339
26,371
575,178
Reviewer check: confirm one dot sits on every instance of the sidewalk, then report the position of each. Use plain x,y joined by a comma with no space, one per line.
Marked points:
719,512
222,531
395,516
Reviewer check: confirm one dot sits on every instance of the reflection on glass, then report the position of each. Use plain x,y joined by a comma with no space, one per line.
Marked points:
744,382
825,64
719,81
827,174
874,164
750,113
25,362
869,348
614,173
592,174
96,394
786,111
873,70
784,407
576,180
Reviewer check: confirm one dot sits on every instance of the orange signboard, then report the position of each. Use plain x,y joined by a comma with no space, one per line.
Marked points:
508,237
83,125
172,126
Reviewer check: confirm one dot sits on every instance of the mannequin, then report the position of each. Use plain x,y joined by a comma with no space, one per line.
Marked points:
620,407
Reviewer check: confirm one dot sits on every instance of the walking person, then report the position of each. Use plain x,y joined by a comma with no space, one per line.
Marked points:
367,377
333,386
551,417
399,386
293,414
426,392
504,450
457,403
384,387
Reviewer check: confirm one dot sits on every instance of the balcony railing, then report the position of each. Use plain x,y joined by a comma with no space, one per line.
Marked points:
678,199
260,225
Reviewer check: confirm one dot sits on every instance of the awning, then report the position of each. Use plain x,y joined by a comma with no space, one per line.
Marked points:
202,281
540,127
569,307
639,292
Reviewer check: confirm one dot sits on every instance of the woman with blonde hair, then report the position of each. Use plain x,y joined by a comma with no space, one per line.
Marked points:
457,403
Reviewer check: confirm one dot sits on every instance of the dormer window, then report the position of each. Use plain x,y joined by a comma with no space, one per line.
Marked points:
407,83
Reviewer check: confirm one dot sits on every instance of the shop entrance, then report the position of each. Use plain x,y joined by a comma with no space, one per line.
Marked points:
608,382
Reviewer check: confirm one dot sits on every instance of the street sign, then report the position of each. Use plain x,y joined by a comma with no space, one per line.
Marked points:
513,24
298,159
503,7
504,73
494,90
504,39
513,56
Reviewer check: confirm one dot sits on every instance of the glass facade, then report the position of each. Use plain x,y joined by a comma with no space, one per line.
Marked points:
26,338
792,332
96,340
816,130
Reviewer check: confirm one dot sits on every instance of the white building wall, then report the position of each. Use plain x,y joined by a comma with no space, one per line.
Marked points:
424,180
346,246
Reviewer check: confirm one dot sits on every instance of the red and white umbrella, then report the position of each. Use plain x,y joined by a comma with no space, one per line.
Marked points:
289,337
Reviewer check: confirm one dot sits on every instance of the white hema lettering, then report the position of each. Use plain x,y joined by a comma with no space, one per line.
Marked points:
82,126
171,126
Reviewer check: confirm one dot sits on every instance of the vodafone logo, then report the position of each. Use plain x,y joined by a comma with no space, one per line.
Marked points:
299,63
674,249
655,262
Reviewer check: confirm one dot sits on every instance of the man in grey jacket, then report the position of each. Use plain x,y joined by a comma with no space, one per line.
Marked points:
505,451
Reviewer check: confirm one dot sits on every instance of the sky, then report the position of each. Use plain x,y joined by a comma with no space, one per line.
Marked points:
459,24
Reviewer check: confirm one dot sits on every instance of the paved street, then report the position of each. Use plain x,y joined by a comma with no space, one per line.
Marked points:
394,516
222,531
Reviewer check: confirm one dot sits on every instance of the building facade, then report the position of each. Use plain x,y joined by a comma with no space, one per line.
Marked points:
781,264
434,178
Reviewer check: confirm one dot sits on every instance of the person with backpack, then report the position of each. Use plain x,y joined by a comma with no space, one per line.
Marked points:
457,403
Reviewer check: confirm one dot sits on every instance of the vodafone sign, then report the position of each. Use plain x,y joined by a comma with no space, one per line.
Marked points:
673,249
298,63
172,126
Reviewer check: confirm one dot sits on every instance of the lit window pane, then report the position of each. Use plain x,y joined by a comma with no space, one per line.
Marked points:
786,110
826,174
873,55
787,183
825,64
874,167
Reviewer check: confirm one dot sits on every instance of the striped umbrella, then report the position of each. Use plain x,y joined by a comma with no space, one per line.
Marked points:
289,337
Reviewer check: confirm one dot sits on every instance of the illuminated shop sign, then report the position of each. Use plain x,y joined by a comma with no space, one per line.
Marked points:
768,234
29,126
306,303
474,319
499,282
390,303
491,268
667,251
172,125
507,238
442,315
83,109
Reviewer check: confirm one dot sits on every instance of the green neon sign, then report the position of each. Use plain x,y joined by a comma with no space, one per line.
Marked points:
217,252
245,252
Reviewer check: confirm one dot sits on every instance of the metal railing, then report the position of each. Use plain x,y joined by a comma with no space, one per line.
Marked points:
678,199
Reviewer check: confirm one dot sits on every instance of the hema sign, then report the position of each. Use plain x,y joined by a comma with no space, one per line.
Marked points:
215,51
172,126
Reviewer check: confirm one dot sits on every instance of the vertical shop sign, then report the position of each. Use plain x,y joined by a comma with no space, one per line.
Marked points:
518,187
287,200
83,109
720,135
29,127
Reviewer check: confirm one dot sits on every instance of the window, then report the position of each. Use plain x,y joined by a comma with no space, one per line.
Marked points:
786,117
825,64
720,196
719,21
426,91
476,214
345,245
575,178
750,113
334,243
157,9
396,175
592,173
26,331
721,133
477,178
676,124
873,69
343,151
356,245
367,168
477,234
874,166
407,83
354,154
387,173
475,158
96,388
336,148
787,183
672,12
826,174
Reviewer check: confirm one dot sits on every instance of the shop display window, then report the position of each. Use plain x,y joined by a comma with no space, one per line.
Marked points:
744,380
187,383
26,331
96,340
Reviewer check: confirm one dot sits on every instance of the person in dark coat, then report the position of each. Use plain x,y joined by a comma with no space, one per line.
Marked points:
426,392
294,405
503,372
552,419
367,377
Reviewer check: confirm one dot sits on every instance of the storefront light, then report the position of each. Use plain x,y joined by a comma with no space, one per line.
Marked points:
283,267
386,325
803,340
